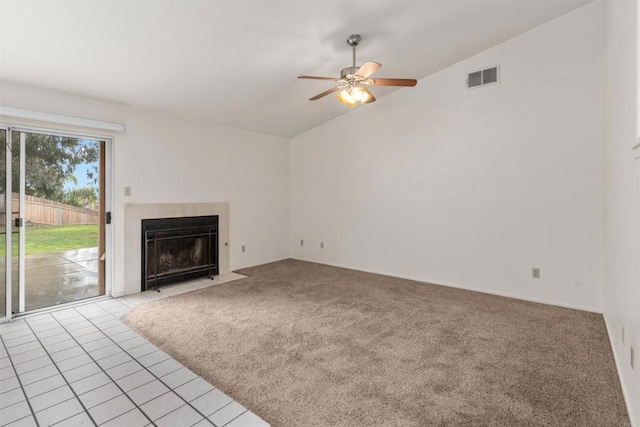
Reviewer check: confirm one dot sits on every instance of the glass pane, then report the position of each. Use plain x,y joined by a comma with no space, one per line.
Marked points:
61,220
3,215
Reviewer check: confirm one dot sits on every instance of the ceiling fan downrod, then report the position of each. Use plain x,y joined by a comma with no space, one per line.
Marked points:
353,40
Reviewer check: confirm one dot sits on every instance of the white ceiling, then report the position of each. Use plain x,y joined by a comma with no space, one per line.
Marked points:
236,62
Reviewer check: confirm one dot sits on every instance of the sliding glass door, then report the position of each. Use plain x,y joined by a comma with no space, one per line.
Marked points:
54,217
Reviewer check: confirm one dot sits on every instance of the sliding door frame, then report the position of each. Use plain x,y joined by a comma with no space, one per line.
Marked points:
22,229
8,210
108,199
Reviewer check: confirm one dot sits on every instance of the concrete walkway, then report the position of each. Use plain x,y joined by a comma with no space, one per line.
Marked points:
55,278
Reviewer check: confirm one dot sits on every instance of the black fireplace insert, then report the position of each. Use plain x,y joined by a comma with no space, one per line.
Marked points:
176,250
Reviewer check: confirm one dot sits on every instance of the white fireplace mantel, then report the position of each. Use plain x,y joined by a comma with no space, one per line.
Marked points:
134,213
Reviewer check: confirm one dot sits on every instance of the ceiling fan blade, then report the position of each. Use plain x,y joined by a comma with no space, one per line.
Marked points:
319,78
367,69
371,97
392,82
325,93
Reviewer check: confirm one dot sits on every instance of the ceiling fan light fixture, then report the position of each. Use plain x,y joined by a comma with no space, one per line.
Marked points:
353,95
345,97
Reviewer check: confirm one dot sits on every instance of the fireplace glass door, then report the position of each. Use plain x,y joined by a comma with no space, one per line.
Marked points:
178,249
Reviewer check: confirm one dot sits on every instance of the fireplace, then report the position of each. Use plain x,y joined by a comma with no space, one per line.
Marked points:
176,250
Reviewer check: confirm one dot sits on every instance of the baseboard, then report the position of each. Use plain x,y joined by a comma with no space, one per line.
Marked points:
233,270
627,399
466,288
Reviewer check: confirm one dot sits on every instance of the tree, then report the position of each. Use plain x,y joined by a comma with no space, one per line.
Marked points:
84,197
50,162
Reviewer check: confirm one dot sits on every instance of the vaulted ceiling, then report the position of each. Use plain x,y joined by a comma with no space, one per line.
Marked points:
236,62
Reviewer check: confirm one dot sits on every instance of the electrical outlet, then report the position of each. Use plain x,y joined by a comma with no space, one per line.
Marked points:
632,355
535,273
127,191
243,248
301,242
321,245
623,335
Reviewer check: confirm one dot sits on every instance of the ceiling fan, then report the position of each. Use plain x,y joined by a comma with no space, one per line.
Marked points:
354,81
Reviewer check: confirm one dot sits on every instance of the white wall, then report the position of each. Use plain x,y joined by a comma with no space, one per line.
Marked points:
622,190
471,188
168,160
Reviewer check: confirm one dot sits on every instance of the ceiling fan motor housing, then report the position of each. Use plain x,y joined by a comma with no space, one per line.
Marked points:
348,73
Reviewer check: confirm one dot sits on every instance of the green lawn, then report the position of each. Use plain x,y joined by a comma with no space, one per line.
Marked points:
55,238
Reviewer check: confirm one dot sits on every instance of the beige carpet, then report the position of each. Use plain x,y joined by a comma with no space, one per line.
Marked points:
303,344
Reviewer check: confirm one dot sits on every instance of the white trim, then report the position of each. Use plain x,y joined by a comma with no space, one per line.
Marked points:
60,118
637,20
466,288
233,270
8,211
59,307
62,133
109,204
627,400
22,230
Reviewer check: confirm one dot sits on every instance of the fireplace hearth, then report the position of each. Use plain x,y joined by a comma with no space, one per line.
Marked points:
176,250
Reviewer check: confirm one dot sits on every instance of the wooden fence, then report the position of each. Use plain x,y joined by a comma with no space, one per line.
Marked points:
43,211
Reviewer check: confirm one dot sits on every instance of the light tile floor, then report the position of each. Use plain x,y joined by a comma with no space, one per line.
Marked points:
82,366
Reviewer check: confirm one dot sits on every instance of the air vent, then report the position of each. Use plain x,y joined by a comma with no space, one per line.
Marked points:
482,77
